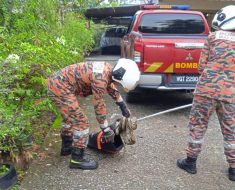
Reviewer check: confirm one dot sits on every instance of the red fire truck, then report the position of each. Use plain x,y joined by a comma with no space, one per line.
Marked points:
166,41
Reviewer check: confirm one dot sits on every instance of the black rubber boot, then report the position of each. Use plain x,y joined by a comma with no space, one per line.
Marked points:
188,164
231,174
81,161
66,146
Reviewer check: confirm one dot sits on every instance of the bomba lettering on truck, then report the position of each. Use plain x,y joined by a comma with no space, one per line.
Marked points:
185,65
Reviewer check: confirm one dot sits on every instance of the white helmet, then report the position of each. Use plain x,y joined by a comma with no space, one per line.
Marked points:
127,73
224,19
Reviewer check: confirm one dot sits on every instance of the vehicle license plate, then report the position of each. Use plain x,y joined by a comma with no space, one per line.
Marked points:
184,79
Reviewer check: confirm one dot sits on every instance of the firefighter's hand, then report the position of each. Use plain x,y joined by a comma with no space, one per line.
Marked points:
108,135
124,109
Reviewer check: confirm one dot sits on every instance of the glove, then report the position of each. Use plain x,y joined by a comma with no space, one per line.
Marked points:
115,125
108,135
124,109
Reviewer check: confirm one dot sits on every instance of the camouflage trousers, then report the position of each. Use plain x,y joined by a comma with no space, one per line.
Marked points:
75,123
202,109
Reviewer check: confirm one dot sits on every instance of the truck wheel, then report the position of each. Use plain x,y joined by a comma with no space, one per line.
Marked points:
9,178
104,51
132,97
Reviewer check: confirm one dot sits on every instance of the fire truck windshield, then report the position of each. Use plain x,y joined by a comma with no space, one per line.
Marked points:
171,23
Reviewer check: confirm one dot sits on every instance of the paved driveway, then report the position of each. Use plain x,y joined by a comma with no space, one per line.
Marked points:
149,164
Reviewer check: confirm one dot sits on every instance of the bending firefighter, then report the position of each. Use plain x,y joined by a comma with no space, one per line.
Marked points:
215,91
84,79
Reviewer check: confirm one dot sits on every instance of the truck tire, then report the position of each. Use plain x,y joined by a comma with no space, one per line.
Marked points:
9,179
104,51
132,97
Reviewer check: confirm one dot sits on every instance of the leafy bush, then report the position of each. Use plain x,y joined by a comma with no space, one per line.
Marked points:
36,39
3,170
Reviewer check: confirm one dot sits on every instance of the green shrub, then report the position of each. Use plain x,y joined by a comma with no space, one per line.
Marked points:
35,41
3,170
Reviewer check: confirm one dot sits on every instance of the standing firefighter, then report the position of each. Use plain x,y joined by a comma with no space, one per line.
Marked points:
215,91
84,79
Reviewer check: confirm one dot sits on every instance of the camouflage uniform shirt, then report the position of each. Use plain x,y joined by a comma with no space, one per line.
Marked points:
88,78
217,67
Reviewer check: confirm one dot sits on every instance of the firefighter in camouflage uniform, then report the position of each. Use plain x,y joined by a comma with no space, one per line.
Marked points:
84,79
215,91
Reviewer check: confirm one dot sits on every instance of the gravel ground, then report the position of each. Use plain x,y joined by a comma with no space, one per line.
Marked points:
149,164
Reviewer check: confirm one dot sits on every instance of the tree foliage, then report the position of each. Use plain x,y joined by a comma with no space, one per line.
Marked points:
37,37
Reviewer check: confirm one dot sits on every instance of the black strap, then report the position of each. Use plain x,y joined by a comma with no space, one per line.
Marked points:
119,73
